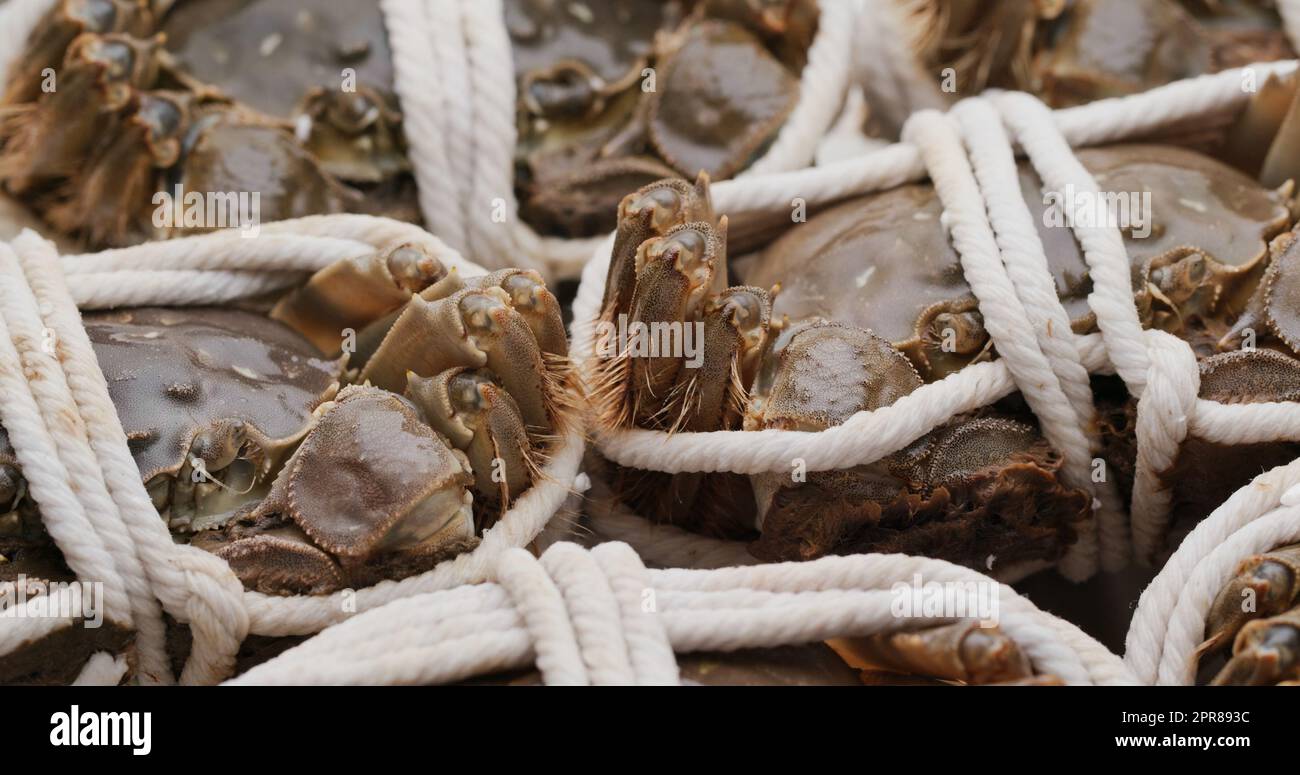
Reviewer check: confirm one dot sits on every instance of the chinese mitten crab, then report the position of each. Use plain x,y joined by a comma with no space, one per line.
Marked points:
867,301
616,94
454,390
985,485
127,120
1073,51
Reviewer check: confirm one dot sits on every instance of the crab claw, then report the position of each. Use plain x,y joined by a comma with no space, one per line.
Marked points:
371,489
113,195
363,295
1264,585
479,417
651,211
962,651
55,137
1265,652
473,328
63,24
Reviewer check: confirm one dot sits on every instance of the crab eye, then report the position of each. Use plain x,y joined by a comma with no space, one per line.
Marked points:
218,446
413,269
1194,268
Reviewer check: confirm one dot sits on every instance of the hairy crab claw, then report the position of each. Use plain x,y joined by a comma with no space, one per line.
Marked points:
45,144
619,95
49,45
372,492
152,97
360,298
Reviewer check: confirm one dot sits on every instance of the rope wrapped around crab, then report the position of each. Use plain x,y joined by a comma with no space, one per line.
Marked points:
867,301
371,424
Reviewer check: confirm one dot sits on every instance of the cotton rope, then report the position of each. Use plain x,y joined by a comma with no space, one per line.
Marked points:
601,617
74,453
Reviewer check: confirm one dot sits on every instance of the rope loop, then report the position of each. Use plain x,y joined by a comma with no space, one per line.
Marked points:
558,614
74,453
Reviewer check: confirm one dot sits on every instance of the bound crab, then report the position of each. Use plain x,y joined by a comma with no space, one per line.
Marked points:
1256,616
454,389
1074,51
614,95
122,114
867,301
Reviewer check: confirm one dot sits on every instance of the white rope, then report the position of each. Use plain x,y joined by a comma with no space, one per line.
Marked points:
548,612
102,669
64,430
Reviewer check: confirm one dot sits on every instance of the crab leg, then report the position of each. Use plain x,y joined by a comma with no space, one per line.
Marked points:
54,137
962,651
1266,651
70,19
1265,585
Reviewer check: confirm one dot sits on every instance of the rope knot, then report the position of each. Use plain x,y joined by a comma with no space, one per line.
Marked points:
591,614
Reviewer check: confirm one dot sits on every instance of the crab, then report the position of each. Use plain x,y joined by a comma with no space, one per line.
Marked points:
152,104
453,391
616,95
867,301
1074,51
985,485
